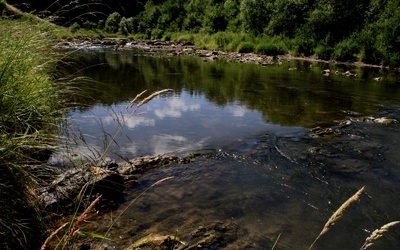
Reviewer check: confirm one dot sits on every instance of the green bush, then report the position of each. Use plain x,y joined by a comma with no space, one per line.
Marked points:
166,37
270,49
186,37
74,27
112,22
101,24
222,39
89,25
323,51
246,47
141,36
346,50
123,27
157,33
304,41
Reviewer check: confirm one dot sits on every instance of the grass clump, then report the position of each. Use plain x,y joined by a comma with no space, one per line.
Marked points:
30,109
246,47
272,49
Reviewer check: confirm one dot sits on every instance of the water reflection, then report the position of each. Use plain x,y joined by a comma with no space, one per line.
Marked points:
268,174
219,100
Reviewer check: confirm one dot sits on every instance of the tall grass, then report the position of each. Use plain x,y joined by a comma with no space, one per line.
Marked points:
29,107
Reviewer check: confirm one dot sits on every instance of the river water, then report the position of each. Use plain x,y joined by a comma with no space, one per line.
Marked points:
268,174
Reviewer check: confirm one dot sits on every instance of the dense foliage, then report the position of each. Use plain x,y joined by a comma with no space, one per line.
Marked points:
346,30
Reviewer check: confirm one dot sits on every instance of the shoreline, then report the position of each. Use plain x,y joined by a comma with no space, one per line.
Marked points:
174,48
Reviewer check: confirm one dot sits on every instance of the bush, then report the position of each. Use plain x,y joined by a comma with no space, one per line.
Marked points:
221,39
246,47
271,49
123,27
166,37
100,24
186,37
323,51
112,22
74,27
346,50
304,41
89,25
156,33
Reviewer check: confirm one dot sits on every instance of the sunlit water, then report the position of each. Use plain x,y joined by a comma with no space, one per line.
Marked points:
267,175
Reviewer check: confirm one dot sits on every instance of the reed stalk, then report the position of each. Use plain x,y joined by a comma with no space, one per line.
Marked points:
378,234
338,214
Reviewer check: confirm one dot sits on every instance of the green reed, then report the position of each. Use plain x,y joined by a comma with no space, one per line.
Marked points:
30,108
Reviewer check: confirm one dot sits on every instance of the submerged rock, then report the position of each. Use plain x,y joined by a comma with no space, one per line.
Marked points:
217,235
108,179
156,241
320,132
62,193
380,120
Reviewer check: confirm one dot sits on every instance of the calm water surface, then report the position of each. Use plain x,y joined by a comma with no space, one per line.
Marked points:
267,174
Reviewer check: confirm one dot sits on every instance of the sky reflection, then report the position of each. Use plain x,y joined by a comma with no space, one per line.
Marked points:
168,124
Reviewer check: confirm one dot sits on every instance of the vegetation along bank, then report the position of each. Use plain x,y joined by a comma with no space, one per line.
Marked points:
359,30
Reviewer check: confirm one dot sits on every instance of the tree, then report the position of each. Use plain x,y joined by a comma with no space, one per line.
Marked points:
288,15
256,15
112,22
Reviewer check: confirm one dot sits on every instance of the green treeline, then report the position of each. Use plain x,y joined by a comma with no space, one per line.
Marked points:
344,30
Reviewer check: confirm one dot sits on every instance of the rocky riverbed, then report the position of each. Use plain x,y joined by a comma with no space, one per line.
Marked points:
172,48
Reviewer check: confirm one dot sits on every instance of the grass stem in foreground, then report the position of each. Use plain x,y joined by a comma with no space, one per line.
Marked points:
338,214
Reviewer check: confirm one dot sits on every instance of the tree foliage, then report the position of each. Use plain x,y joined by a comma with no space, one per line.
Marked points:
366,30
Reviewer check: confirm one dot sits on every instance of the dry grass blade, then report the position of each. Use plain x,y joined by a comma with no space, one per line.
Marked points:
135,99
150,97
338,214
377,234
161,181
44,246
81,218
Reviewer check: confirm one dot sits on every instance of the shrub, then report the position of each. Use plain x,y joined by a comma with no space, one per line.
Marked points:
74,27
166,37
304,41
112,22
246,47
89,25
100,24
323,51
271,49
123,27
222,39
157,33
346,50
186,37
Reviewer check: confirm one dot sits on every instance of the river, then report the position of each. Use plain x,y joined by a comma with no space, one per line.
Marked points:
268,173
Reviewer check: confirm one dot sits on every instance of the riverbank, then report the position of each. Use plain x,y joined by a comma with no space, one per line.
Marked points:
31,105
175,48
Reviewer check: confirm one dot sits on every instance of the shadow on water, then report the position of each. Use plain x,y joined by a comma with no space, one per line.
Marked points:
268,175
